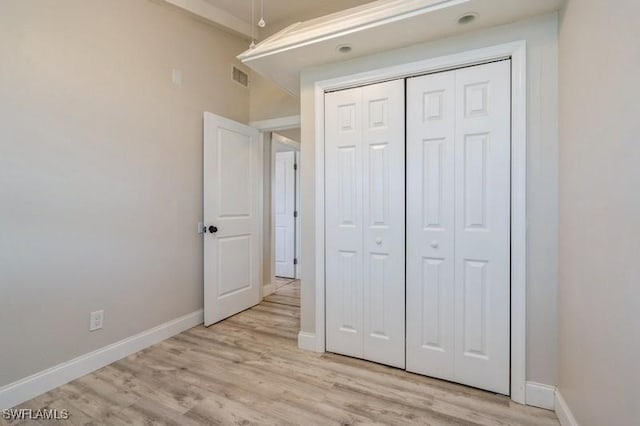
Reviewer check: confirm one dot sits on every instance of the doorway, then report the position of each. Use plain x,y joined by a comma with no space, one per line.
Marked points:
281,205
240,202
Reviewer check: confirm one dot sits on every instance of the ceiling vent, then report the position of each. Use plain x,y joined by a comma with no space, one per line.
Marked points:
240,77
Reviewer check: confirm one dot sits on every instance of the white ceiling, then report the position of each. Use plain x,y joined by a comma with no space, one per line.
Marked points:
284,11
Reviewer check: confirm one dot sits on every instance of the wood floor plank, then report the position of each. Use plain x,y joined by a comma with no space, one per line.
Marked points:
248,370
219,410
149,412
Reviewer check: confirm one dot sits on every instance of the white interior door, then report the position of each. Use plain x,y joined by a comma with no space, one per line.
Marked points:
285,204
364,161
232,170
430,224
458,223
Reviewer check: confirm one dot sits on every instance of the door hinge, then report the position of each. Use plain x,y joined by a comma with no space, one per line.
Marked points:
295,166
295,261
295,213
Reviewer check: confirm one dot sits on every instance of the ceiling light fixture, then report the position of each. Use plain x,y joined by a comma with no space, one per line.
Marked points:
261,22
253,36
344,48
467,18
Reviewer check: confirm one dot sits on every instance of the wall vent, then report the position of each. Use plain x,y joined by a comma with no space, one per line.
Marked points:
240,77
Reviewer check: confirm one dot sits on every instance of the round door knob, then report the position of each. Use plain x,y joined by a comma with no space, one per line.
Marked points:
378,241
213,229
434,244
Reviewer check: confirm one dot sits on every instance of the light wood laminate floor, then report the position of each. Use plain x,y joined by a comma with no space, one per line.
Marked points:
248,370
281,281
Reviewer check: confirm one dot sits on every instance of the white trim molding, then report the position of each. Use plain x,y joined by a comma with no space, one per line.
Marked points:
565,416
310,342
51,378
366,17
268,289
541,395
278,138
281,123
517,52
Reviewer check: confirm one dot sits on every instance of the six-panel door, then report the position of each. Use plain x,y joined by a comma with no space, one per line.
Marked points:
364,160
458,225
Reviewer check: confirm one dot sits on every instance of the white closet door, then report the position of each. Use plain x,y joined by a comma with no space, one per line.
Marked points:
483,189
343,222
285,227
384,221
430,224
364,167
458,262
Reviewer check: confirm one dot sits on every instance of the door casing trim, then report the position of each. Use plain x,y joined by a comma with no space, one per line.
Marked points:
516,51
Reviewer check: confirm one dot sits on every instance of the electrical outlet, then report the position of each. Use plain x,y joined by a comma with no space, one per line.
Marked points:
95,320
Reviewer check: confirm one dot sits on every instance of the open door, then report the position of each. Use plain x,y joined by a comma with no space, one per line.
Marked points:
232,170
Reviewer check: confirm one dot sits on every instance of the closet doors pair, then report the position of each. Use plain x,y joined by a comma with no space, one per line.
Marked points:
418,224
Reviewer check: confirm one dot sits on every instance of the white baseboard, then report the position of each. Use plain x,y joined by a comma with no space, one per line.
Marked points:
284,283
268,289
563,412
540,395
30,387
308,341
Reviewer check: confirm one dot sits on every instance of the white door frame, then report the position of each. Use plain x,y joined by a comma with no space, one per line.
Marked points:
517,52
270,126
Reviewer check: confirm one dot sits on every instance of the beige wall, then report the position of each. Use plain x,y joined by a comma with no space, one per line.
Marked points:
599,288
270,101
542,172
101,170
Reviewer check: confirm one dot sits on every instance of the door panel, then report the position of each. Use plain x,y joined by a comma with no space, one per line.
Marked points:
430,224
343,217
234,265
364,152
483,172
458,221
234,186
231,192
383,186
284,191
